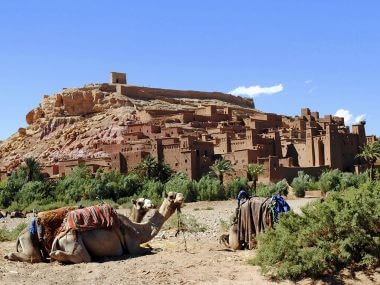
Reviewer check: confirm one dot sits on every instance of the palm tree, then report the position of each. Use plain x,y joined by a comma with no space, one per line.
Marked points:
32,169
253,171
370,153
220,167
152,169
147,167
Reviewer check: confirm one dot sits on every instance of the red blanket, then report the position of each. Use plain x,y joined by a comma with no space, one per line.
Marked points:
94,217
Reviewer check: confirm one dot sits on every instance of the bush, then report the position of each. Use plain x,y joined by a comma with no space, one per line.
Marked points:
180,183
347,179
12,187
132,184
108,185
188,224
9,235
268,190
233,188
301,183
209,189
330,180
75,186
152,190
341,232
32,191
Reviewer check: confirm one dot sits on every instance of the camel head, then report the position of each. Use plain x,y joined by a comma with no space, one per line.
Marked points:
142,204
173,201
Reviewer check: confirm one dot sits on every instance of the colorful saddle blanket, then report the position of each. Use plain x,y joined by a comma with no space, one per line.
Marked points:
89,218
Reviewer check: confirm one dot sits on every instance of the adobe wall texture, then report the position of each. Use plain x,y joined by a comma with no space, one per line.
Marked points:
156,93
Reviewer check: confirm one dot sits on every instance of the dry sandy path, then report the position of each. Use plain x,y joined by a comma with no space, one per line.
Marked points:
204,262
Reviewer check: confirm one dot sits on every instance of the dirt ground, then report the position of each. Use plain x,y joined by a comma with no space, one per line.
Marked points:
201,260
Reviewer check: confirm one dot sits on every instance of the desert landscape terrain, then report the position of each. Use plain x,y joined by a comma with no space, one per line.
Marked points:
192,258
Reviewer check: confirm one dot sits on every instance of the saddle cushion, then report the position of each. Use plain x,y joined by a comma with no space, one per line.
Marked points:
90,218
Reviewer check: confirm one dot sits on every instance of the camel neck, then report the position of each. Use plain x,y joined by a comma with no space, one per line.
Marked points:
147,231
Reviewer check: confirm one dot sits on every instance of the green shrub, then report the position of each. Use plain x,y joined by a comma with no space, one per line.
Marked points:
152,190
151,169
32,191
44,205
13,186
87,203
188,224
75,186
209,189
268,190
330,180
313,185
301,183
180,183
348,179
132,184
265,190
9,235
341,232
233,188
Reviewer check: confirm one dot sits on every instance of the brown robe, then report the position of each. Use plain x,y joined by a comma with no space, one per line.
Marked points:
253,218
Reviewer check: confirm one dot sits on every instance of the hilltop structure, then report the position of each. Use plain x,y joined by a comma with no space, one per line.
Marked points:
116,125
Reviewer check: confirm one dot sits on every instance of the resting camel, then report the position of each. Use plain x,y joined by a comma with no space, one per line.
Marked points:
140,207
80,246
35,248
252,218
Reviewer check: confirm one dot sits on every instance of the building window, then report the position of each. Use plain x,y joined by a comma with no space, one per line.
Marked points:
186,161
197,152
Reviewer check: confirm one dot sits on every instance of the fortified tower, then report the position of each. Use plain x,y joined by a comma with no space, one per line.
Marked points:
118,78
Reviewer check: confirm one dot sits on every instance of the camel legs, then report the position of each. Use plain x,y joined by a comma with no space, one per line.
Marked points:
30,251
76,257
19,256
73,249
137,250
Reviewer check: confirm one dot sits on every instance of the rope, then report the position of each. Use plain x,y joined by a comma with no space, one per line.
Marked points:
180,228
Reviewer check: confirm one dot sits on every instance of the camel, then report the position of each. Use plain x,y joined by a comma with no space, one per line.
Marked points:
17,214
231,240
35,248
80,246
254,216
140,207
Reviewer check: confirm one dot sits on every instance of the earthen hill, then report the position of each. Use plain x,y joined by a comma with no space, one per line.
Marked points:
116,125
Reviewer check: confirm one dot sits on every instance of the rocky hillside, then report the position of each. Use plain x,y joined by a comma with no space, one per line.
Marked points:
70,124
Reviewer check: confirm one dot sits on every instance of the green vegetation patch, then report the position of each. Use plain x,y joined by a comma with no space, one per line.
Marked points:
187,223
9,235
343,231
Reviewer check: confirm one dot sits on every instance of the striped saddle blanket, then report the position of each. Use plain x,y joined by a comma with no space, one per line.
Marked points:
89,218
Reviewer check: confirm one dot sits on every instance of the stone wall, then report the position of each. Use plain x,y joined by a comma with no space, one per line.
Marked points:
156,93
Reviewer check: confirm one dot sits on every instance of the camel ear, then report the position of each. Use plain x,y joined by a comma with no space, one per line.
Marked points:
134,201
165,195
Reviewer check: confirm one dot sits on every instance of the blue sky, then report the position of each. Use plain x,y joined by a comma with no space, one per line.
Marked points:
323,54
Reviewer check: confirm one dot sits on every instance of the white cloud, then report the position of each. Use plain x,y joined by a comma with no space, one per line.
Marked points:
359,118
349,118
309,81
347,115
257,90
